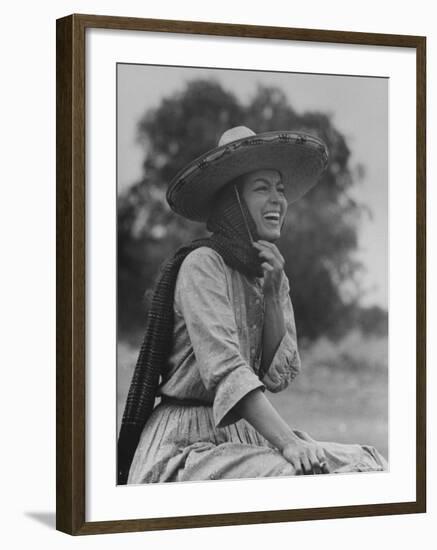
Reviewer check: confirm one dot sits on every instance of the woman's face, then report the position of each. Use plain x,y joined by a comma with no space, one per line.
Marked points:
263,192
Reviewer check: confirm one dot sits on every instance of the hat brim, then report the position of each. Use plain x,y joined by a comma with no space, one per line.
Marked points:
299,158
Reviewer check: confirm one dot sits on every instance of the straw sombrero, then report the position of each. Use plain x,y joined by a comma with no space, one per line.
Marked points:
300,159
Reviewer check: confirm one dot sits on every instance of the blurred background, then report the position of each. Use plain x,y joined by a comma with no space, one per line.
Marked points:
335,241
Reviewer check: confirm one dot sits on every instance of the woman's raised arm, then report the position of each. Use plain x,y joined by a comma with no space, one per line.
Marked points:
280,361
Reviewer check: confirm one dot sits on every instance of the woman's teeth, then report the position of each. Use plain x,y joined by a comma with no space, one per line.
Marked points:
272,216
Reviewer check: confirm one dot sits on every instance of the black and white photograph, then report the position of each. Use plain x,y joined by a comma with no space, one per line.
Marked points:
217,275
252,276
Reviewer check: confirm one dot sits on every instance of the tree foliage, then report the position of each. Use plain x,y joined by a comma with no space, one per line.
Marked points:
321,229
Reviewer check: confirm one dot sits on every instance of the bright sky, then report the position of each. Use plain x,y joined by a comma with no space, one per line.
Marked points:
359,109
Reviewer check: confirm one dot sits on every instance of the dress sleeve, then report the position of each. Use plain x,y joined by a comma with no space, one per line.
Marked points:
285,365
206,306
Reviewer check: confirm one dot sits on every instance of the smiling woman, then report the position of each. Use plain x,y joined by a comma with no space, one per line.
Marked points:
221,328
264,194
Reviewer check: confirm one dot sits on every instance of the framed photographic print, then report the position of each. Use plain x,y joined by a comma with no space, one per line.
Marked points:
240,274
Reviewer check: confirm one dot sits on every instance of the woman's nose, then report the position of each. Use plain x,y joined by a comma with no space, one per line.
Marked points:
274,196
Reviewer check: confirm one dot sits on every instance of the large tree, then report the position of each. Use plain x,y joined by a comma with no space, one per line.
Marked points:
321,236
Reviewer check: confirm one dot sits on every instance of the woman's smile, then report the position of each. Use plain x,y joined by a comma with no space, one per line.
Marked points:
273,217
263,192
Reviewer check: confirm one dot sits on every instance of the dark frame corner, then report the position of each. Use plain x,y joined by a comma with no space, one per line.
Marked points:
70,273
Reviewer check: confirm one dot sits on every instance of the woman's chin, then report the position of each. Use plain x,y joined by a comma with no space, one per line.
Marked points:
271,235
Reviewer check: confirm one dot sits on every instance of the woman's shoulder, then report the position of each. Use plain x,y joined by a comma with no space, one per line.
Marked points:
202,257
202,262
201,271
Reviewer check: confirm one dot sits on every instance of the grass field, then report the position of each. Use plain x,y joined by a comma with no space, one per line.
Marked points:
340,395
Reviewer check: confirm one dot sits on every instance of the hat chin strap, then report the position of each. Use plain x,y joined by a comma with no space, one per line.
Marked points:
246,223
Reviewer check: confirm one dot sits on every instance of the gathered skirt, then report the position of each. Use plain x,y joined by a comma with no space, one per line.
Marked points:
181,443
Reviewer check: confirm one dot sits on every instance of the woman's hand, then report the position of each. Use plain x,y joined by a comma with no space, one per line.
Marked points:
306,457
273,266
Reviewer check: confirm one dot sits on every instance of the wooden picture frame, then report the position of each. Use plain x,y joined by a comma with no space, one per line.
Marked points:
71,274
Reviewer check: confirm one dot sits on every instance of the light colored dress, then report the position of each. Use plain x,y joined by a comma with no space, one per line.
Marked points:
215,362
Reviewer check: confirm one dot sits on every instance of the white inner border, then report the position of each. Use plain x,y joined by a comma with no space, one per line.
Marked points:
106,501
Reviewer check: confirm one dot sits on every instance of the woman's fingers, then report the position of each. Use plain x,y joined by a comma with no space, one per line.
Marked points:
320,453
293,459
272,248
266,253
306,458
297,466
270,256
315,462
307,468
